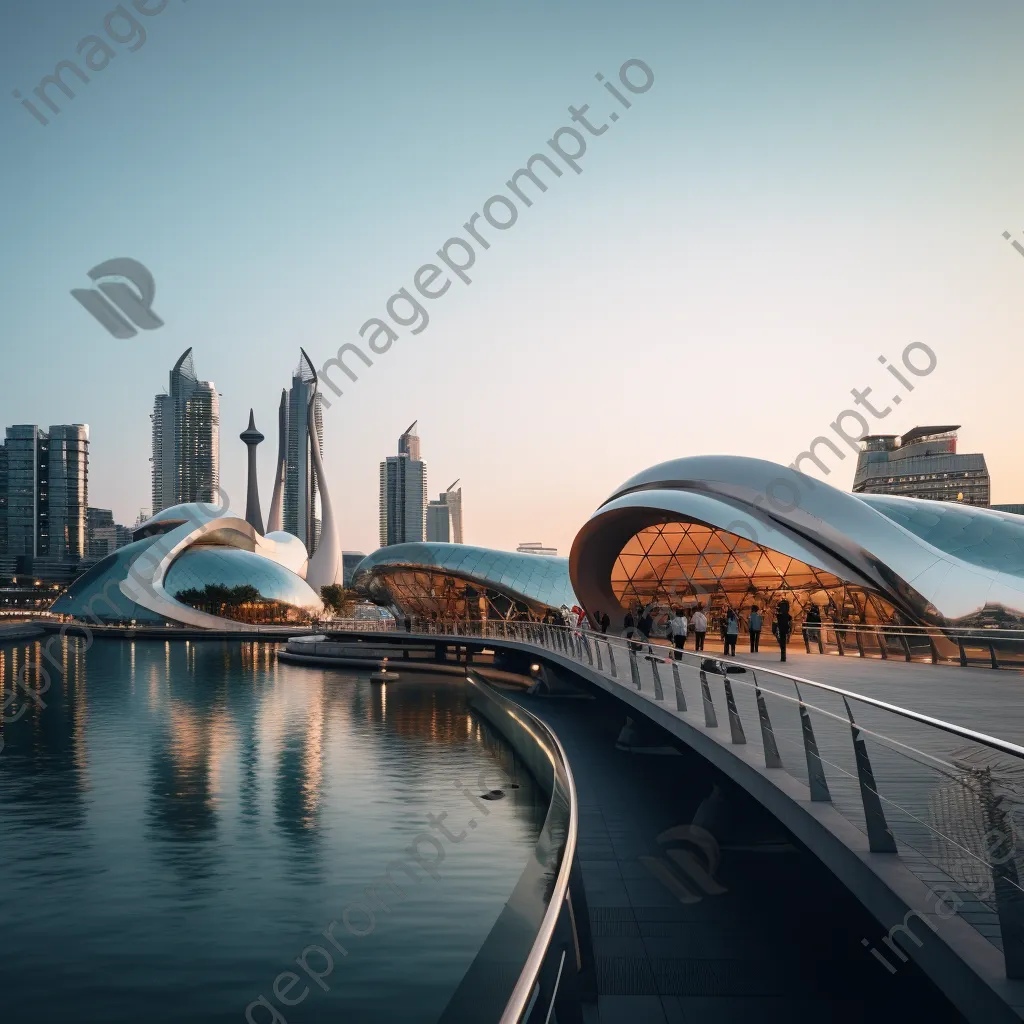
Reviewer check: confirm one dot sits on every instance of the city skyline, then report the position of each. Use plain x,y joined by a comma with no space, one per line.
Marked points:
751,190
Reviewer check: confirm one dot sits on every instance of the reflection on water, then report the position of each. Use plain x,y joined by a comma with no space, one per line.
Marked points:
181,820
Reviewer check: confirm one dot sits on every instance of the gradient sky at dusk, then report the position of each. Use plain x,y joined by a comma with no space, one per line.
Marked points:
805,187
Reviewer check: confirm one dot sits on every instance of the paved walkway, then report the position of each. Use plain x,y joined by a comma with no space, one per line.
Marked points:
775,939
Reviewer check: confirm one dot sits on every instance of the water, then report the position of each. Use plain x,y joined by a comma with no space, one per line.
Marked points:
180,823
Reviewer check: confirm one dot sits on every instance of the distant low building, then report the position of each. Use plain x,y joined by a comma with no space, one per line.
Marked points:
534,547
923,463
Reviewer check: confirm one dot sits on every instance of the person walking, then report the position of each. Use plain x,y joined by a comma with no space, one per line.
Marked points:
630,631
812,624
783,626
732,631
700,628
677,627
754,624
605,622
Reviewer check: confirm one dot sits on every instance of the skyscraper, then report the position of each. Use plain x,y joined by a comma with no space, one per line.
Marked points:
923,463
46,491
403,493
439,521
186,439
453,499
444,516
300,487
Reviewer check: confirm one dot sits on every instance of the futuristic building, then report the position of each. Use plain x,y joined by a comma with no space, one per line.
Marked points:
197,565
460,582
725,531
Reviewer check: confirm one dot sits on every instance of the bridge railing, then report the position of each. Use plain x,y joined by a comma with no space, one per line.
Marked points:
947,799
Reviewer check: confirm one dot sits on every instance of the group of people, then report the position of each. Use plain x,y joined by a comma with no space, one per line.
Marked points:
639,625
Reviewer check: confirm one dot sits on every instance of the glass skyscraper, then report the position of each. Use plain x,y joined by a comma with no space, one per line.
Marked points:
403,493
186,439
45,488
300,487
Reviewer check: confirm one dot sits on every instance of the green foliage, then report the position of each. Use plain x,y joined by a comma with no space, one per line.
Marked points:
340,600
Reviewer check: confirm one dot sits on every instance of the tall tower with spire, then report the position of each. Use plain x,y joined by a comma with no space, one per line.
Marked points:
253,514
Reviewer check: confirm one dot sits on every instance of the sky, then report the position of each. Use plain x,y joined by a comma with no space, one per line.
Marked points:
803,188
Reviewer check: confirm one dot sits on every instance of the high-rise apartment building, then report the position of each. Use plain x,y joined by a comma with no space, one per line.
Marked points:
439,521
923,463
186,439
45,488
300,487
444,516
102,532
403,493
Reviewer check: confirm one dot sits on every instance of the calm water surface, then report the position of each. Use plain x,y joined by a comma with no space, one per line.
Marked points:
180,822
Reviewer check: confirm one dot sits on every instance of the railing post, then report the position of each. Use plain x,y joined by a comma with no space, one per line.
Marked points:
906,645
992,654
590,653
839,641
1009,898
659,693
963,652
710,718
771,748
678,684
597,649
735,725
935,650
634,671
815,770
880,838
611,660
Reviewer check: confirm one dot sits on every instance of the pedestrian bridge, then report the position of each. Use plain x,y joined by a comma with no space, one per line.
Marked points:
906,780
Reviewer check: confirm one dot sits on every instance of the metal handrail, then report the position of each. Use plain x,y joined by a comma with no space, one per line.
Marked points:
521,998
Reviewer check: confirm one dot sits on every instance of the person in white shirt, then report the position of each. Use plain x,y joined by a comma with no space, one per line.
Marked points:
677,627
700,628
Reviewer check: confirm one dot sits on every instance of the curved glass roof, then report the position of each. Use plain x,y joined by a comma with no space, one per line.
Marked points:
543,579
201,567
976,535
96,595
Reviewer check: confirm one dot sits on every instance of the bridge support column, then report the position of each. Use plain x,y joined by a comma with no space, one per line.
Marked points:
880,837
710,718
634,670
659,693
735,725
678,684
815,770
771,748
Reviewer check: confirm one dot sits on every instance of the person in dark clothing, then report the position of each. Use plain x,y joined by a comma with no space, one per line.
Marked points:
812,624
630,630
783,626
605,622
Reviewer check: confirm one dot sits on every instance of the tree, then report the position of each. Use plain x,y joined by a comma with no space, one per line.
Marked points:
339,599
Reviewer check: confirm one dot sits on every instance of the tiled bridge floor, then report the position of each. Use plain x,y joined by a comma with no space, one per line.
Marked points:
781,943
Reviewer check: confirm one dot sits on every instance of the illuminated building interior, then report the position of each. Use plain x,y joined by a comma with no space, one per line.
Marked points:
431,595
683,564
